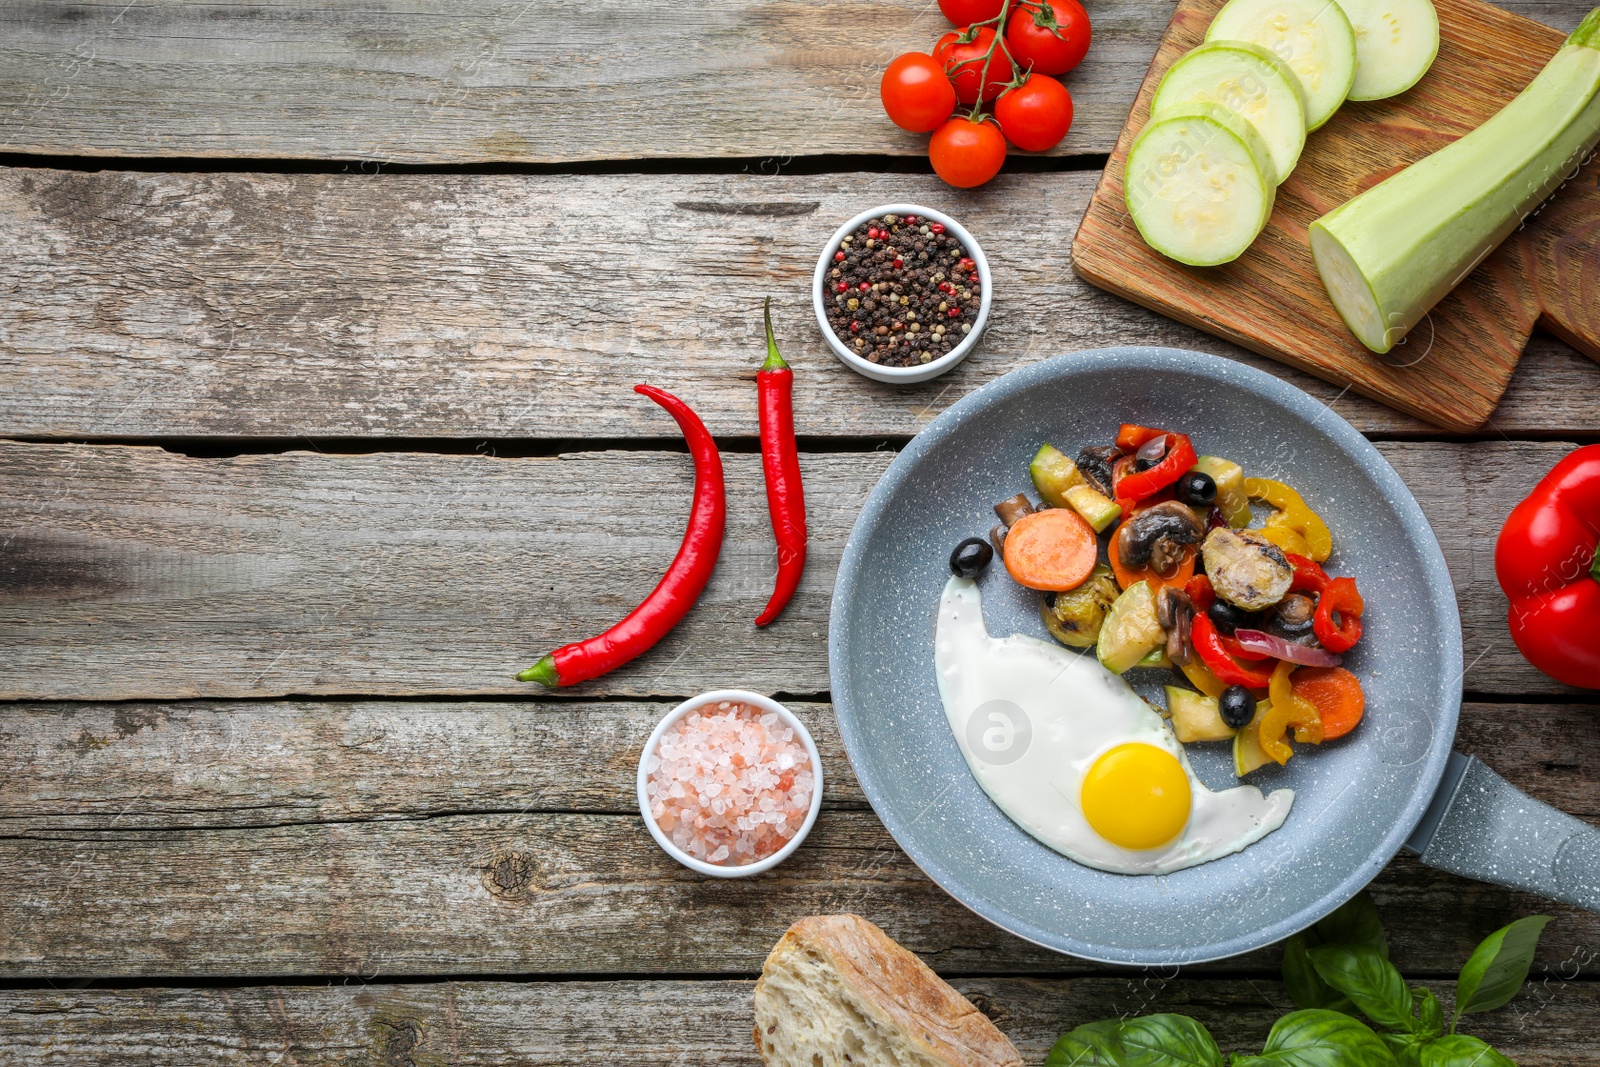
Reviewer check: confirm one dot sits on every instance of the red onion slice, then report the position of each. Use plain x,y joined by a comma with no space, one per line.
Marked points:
1272,645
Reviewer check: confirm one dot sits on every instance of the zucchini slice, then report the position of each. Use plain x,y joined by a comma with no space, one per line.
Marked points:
1312,36
1396,42
1250,81
1196,184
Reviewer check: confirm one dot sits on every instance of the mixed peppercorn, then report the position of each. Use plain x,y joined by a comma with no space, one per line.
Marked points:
902,291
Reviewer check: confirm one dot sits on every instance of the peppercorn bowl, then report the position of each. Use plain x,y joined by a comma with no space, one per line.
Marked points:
741,725
830,292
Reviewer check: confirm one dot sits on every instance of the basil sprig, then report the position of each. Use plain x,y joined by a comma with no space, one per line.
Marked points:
1335,971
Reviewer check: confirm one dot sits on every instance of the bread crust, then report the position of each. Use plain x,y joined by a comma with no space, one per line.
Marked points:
899,989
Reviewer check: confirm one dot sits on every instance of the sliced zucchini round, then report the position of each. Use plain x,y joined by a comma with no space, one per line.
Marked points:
1396,42
1196,184
1249,80
1312,36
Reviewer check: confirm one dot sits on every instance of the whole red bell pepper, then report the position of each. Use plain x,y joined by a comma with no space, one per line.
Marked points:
1548,563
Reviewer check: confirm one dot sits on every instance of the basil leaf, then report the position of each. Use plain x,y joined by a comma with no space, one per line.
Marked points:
1430,1022
1317,1038
1356,922
1090,1045
1166,1041
1406,1048
1306,988
1361,973
1498,967
1458,1050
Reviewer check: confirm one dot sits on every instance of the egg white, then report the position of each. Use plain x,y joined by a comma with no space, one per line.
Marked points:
1071,711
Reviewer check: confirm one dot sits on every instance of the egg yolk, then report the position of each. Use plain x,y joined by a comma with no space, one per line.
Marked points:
1136,796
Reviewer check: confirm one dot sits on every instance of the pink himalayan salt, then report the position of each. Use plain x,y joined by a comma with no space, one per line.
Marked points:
730,784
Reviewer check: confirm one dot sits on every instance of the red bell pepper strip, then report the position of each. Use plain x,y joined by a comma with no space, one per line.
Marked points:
1179,458
1309,577
780,462
1208,643
1130,436
1337,622
678,589
1203,596
1548,563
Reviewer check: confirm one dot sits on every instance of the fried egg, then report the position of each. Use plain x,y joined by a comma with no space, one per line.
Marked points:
1076,758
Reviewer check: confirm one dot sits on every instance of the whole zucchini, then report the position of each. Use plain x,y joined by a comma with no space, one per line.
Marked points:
1390,254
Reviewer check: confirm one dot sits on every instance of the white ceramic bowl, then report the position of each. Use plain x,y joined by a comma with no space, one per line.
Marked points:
766,704
922,371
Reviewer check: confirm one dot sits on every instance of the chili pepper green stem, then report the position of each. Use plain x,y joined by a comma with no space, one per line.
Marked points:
774,361
543,672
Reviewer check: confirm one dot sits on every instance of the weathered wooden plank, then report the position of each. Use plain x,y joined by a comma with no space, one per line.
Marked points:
249,305
497,80
405,573
540,893
201,764
651,1022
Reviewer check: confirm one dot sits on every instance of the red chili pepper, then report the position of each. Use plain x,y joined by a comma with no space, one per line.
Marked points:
1548,564
1179,458
1208,642
678,589
1309,577
1340,598
780,462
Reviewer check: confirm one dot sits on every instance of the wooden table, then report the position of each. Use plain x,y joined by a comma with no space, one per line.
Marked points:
314,397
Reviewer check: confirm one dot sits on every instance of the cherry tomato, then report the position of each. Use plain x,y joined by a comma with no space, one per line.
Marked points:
1053,35
1036,114
965,12
966,153
916,93
964,64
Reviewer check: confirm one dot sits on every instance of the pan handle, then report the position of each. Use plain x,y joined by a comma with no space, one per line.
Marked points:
1481,826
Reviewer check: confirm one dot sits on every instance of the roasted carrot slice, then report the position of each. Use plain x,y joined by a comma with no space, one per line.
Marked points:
1336,693
1054,550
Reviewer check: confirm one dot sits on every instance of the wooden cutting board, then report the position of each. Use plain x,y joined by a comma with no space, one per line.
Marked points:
1456,363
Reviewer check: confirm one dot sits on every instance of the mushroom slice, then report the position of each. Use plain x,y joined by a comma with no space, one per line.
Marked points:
1246,569
1161,530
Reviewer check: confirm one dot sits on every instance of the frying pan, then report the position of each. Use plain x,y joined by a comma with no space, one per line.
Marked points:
1394,782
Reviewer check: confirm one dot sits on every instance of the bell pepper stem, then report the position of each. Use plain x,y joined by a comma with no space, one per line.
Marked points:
1594,568
543,672
774,361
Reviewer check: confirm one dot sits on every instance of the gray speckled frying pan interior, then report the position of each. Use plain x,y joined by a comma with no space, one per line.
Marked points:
1356,798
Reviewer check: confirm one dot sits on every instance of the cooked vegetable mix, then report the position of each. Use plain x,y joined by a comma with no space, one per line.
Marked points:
1391,253
1259,633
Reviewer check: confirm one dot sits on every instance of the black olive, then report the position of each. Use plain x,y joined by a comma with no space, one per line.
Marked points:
971,557
1228,618
1197,488
1236,706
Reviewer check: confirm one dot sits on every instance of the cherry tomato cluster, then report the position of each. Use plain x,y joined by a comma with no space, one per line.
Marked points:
999,64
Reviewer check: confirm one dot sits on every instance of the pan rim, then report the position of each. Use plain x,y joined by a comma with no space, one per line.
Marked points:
1343,436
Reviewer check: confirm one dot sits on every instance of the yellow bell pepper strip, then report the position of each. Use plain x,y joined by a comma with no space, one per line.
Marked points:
1288,709
1201,678
1294,527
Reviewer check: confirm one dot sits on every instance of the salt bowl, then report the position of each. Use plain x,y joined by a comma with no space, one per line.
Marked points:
730,783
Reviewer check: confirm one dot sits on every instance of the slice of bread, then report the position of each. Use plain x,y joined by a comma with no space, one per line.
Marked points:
839,992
